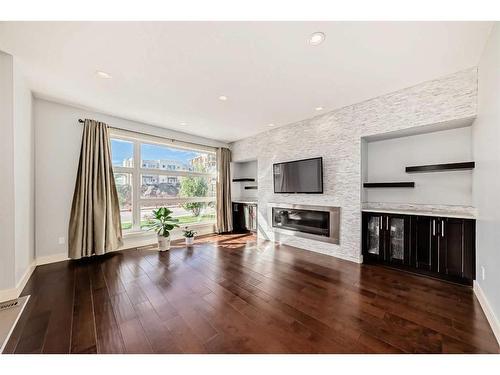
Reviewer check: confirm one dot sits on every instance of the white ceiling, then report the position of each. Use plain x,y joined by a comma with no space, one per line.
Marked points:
166,73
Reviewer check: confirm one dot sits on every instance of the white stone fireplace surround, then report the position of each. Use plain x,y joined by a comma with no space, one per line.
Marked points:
336,136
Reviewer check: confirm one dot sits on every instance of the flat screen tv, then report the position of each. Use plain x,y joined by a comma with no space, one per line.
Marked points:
299,176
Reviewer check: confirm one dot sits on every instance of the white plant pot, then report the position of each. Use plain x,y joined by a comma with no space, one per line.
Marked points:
163,243
189,241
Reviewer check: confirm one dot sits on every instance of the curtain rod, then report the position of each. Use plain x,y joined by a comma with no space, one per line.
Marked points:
81,121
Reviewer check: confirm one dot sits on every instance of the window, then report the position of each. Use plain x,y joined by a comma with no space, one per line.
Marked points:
122,153
123,183
150,173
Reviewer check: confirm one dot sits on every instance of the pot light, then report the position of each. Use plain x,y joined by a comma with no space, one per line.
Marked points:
183,123
223,98
270,124
102,74
318,108
317,38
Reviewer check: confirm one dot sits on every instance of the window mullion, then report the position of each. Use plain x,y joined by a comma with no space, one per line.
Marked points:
177,200
136,212
118,169
167,172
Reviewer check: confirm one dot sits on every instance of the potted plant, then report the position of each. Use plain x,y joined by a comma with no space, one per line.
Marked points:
162,223
189,236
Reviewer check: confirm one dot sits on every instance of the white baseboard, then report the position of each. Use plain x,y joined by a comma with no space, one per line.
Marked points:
488,311
8,294
142,238
13,293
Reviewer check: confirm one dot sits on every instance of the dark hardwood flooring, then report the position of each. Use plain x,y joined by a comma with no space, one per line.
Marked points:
234,294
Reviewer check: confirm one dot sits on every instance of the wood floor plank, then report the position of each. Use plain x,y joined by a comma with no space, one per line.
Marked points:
109,338
157,332
83,338
184,337
134,337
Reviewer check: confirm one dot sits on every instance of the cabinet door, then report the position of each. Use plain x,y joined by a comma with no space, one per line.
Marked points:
425,243
253,218
397,239
246,215
239,224
373,237
456,248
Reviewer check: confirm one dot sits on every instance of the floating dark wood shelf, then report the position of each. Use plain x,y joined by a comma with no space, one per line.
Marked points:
243,179
441,167
250,187
389,184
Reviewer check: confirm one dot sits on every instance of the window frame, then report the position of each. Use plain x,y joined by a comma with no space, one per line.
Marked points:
136,173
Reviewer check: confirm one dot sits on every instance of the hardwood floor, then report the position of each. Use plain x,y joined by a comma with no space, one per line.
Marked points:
234,294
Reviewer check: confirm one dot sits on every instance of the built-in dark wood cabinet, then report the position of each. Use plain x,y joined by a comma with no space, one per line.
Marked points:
437,246
244,217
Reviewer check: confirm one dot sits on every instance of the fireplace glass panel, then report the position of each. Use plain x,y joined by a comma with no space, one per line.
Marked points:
305,221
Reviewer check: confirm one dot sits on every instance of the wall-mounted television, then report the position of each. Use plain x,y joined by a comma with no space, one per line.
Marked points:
299,176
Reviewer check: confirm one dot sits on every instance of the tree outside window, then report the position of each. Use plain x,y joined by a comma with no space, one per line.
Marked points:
194,187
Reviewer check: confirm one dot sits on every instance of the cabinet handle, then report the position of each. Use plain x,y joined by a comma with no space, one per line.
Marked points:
387,222
433,227
381,223
442,228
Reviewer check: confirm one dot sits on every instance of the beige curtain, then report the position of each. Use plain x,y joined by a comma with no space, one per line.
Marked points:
94,226
224,206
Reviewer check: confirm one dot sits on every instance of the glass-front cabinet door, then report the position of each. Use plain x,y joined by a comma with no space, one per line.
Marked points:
373,241
398,241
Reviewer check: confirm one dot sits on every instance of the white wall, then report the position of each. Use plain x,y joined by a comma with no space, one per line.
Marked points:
24,175
57,150
386,161
486,188
336,136
17,179
7,258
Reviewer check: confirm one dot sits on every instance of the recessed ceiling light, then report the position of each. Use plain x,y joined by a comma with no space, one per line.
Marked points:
183,123
223,98
270,124
102,74
317,38
318,108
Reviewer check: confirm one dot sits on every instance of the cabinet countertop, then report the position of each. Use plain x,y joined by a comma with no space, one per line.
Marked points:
464,212
244,201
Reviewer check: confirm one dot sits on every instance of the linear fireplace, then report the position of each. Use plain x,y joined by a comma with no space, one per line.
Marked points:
314,222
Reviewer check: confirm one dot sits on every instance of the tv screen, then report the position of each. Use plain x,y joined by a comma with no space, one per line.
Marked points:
300,176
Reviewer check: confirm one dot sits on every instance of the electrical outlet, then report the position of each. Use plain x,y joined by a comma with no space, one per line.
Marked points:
483,273
62,240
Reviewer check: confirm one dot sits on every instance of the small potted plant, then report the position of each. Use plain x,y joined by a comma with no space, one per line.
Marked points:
162,223
189,236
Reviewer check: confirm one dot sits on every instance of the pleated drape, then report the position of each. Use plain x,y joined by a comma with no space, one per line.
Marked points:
224,206
94,226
